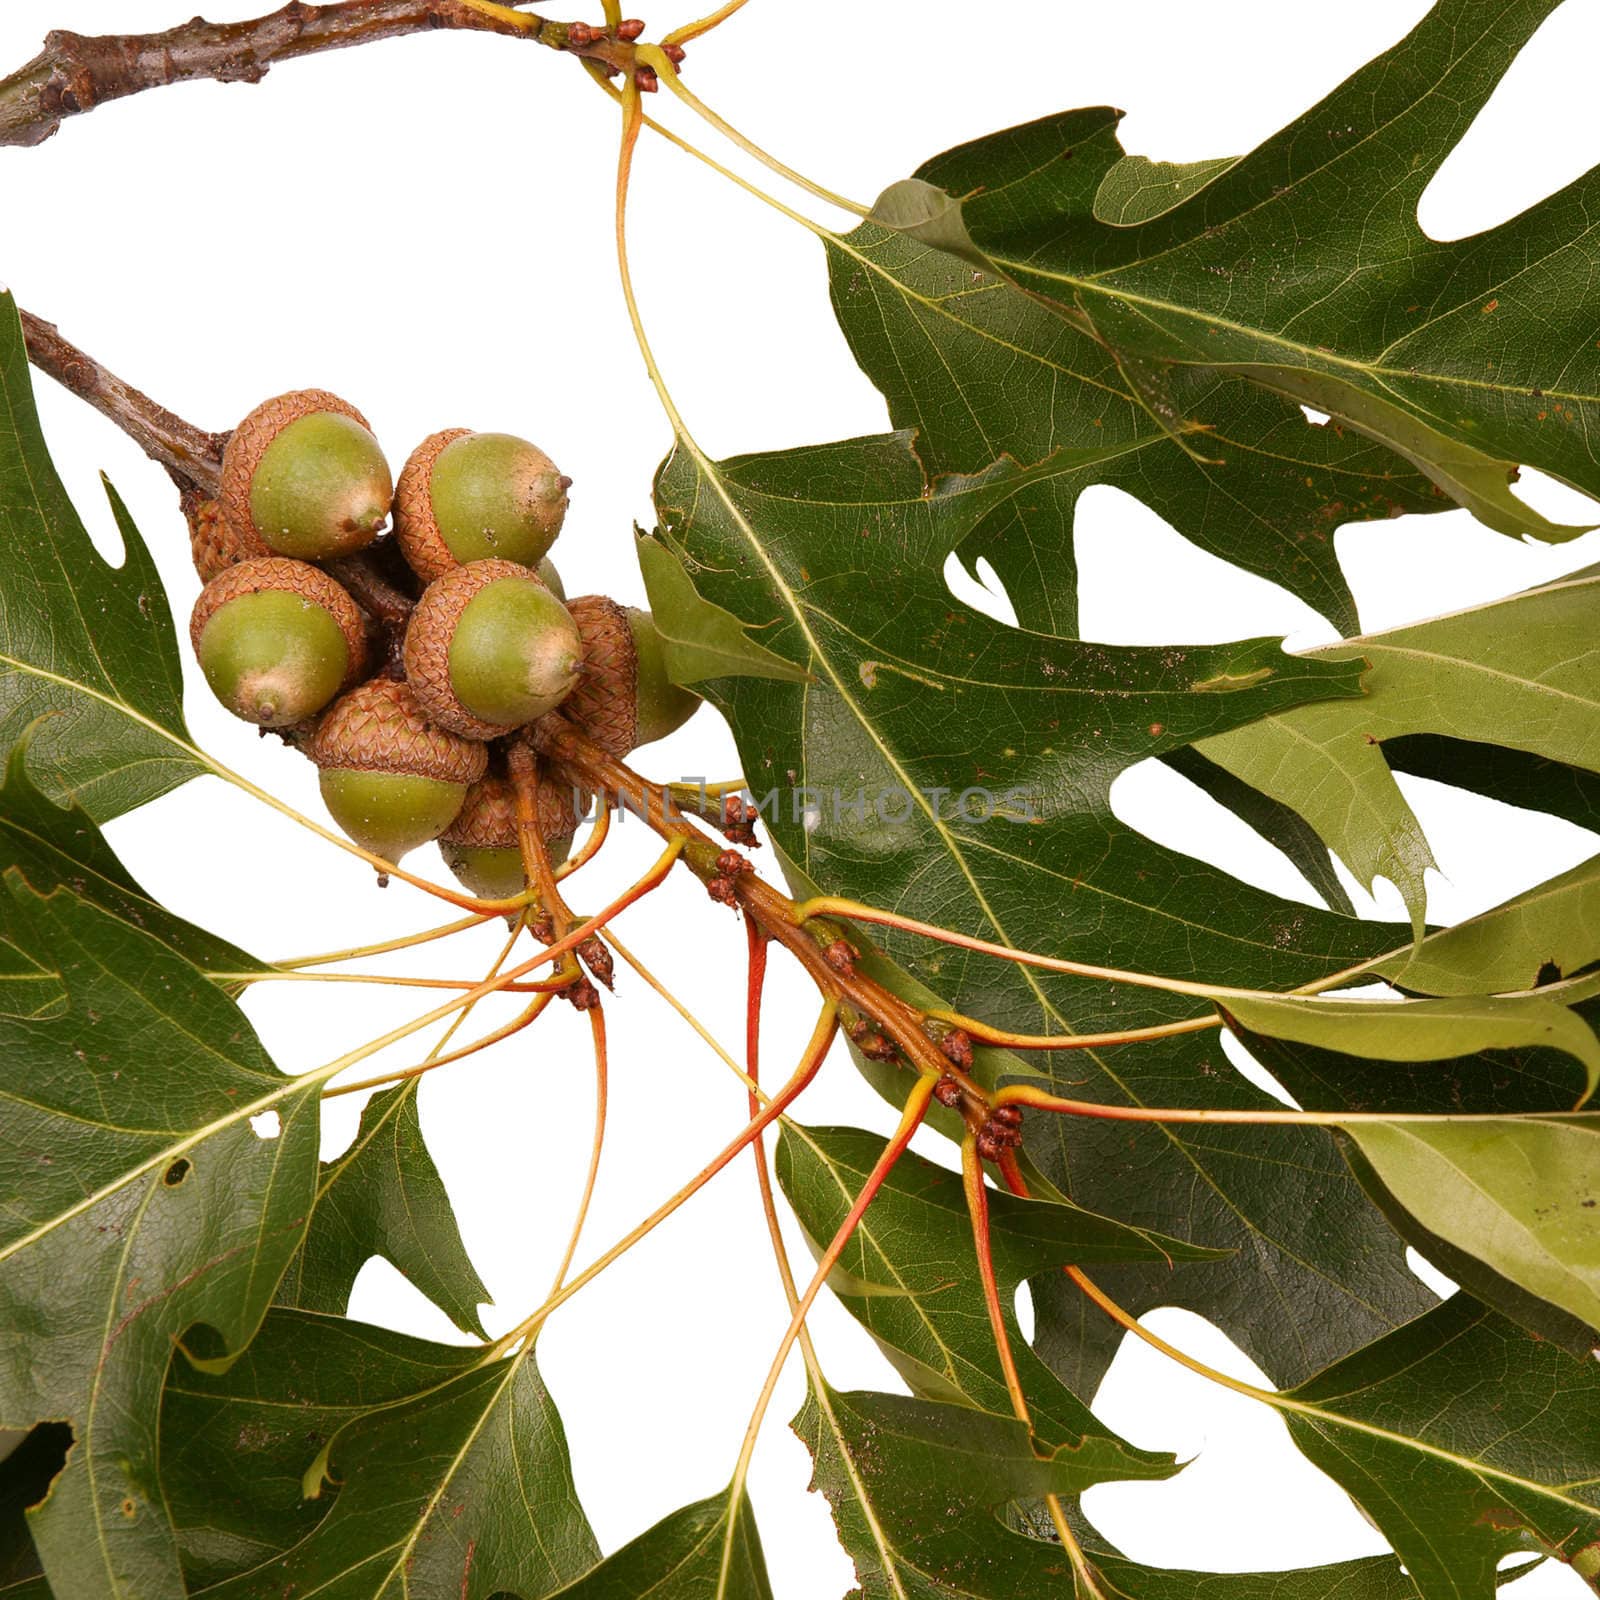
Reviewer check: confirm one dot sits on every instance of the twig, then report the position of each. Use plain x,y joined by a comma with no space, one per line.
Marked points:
75,73
192,456
582,763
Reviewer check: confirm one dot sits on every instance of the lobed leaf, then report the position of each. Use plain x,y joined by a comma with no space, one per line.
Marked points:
919,1492
236,1445
981,369
915,696
384,1197
1303,268
1522,672
460,1489
1464,1440
88,646
136,1201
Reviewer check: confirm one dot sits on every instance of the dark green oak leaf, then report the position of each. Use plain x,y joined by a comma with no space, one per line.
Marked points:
1303,268
918,1491
698,1553
909,1275
51,845
1511,776
461,1489
136,1202
980,368
91,643
384,1197
236,1445
386,1415
1465,1440
833,558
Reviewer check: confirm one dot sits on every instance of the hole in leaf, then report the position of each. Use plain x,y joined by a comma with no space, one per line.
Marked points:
1139,579
1422,1268
1166,807
1253,1072
1023,1306
177,1172
984,593
267,1126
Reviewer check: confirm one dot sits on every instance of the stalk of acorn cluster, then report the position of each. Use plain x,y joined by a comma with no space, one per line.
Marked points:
191,456
907,1036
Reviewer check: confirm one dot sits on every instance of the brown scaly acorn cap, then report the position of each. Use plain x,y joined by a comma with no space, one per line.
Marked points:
604,706
249,441
428,636
312,584
414,527
488,819
215,546
379,727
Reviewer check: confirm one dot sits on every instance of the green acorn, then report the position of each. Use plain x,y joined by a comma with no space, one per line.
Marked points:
390,778
303,476
467,496
481,846
625,698
277,640
489,648
552,579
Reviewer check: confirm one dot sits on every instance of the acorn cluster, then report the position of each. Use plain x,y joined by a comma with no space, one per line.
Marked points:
406,707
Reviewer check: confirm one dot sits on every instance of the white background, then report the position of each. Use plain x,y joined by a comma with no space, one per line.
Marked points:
424,226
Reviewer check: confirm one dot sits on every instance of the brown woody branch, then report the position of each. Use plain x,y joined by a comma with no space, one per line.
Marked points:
192,456
898,1024
76,72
